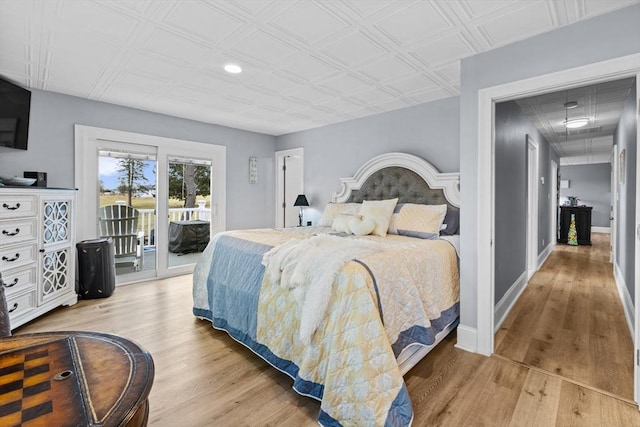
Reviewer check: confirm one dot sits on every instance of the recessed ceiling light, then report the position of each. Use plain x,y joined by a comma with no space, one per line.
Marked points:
232,68
576,123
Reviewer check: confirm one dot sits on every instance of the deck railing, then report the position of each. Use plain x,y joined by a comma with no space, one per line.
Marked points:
147,219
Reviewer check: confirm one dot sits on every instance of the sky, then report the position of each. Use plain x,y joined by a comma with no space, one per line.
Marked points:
108,171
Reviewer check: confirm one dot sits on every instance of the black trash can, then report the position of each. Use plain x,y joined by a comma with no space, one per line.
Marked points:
96,268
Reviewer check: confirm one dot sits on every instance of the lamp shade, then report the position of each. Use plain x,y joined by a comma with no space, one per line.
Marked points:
301,200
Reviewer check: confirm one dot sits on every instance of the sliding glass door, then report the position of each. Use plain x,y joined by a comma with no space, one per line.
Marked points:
176,187
189,209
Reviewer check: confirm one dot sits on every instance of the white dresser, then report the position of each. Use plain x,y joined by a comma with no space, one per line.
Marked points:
37,257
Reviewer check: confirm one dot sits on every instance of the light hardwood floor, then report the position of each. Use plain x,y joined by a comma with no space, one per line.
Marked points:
570,321
204,378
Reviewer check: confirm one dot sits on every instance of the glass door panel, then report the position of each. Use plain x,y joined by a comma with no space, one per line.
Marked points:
189,210
127,209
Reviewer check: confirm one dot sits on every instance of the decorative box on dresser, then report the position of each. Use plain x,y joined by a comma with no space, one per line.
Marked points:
37,258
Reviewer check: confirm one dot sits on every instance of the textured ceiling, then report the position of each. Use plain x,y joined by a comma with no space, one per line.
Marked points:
306,63
601,103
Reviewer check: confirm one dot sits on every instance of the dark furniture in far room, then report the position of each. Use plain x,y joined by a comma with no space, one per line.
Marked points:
74,378
188,236
583,223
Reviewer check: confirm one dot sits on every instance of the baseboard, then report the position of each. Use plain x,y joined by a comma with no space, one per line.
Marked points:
545,254
467,339
504,306
627,302
606,230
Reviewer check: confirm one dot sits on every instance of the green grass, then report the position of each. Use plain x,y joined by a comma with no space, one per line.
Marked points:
144,202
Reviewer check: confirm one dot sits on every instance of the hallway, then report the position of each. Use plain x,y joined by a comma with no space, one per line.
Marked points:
569,321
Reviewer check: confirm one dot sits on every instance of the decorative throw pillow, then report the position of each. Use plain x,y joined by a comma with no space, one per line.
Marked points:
451,222
341,223
423,221
380,212
332,210
361,226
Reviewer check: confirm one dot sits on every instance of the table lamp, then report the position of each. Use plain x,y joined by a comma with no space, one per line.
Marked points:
302,202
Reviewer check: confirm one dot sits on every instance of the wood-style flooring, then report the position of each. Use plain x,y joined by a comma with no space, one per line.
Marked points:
204,378
570,321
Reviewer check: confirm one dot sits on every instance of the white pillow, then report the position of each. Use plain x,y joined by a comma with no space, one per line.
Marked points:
361,226
423,221
341,223
380,212
332,210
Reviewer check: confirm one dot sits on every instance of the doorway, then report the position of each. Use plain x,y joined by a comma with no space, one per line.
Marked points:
289,184
127,179
593,73
155,223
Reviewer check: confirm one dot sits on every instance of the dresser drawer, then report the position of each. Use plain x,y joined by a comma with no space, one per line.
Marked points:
17,206
19,279
20,304
17,256
17,230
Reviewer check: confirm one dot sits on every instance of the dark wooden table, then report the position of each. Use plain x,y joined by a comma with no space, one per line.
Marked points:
74,379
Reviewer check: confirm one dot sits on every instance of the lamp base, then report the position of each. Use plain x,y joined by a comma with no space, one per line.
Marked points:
300,218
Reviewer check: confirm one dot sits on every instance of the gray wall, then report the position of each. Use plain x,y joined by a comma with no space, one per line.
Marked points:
337,151
626,139
591,184
51,149
608,36
511,129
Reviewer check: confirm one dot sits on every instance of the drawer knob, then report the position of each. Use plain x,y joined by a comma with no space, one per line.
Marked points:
12,309
12,284
11,233
5,258
11,208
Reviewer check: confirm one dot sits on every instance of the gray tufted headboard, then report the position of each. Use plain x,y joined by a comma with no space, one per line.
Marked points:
400,182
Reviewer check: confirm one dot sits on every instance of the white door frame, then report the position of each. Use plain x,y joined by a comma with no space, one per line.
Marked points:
532,205
553,232
636,388
617,68
88,141
280,156
613,214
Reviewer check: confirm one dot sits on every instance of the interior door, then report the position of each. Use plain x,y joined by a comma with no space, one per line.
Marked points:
637,250
289,183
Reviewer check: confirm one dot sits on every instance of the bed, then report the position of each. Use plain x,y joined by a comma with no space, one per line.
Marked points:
345,315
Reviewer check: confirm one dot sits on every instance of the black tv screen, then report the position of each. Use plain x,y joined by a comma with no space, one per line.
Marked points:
15,103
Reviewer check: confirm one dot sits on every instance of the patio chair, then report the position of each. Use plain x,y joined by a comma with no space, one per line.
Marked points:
120,222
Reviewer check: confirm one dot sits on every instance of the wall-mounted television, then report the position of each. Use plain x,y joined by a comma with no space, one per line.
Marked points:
15,103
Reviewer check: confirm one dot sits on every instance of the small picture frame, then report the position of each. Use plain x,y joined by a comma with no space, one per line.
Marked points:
253,170
621,165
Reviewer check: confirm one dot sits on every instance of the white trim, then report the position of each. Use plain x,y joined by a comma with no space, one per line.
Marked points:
625,298
448,182
504,306
636,232
545,254
553,221
533,172
612,69
467,339
606,230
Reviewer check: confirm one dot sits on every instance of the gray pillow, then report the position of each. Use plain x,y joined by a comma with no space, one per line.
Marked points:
452,220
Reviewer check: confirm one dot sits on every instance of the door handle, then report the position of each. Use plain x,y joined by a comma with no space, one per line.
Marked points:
5,258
